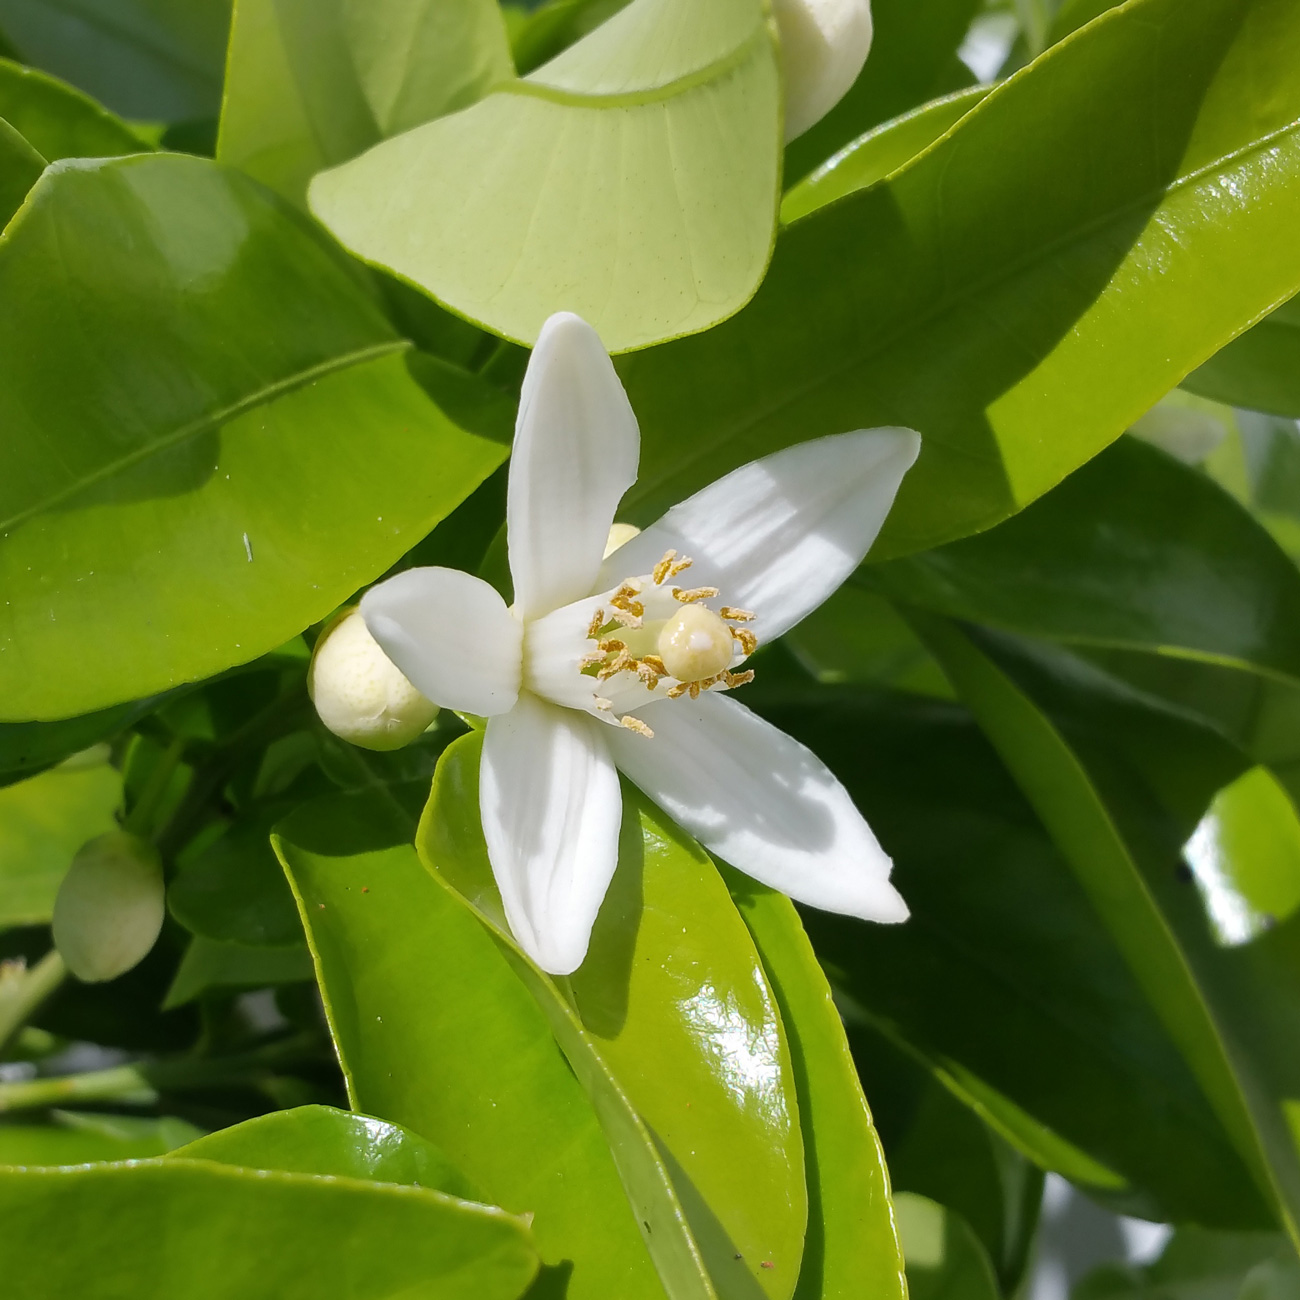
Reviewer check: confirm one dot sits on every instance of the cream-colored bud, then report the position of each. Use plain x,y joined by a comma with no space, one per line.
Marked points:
619,535
695,644
360,694
824,44
110,907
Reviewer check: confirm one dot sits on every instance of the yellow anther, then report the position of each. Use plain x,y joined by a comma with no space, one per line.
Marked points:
736,615
613,646
738,679
597,622
661,569
616,666
653,661
691,595
635,724
748,641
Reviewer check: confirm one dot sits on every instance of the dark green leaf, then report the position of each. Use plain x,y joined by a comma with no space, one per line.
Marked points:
20,169
147,59
209,500
58,120
211,966
80,1138
1260,370
1042,268
1134,551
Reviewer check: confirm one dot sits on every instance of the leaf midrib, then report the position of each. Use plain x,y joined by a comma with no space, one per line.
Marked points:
974,289
206,424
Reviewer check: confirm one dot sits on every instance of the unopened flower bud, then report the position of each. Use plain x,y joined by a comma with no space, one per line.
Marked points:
110,906
360,694
824,44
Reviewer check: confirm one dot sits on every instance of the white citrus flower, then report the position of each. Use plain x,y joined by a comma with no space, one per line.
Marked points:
824,44
622,662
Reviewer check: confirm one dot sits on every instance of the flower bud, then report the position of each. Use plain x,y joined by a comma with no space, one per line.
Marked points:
360,694
824,44
110,907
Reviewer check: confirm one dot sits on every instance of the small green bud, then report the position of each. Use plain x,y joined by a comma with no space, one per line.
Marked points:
360,694
110,906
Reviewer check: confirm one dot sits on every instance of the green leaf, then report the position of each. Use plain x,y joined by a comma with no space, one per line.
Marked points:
537,36
852,1247
1041,268
58,120
310,84
1223,1014
43,822
882,150
503,211
207,501
146,59
246,1234
81,1138
1135,551
435,1032
913,58
20,169
234,891
1014,993
674,1013
213,966
945,1260
333,1143
1260,370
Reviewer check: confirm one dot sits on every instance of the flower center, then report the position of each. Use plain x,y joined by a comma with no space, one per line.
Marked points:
656,631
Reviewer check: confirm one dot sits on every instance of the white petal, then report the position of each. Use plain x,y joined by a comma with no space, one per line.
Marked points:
575,454
824,44
452,635
762,801
779,535
551,807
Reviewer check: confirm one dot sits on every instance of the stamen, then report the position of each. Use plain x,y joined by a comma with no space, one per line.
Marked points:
653,661
738,679
748,641
602,703
688,597
736,615
597,622
615,666
648,674
625,599
635,724
676,692
591,660
633,622
680,567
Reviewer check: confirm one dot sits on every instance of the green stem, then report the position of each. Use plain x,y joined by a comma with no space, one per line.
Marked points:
22,992
139,821
142,1081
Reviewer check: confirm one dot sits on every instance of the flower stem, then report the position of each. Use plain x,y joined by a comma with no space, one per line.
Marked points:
23,991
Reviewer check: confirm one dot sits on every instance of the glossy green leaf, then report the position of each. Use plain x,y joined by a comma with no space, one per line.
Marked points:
945,1260
20,169
234,890
157,1229
147,59
214,966
852,1247
1260,370
333,1143
1223,1015
674,1014
877,153
913,58
58,120
310,84
435,1032
1013,988
209,501
1041,268
80,1138
503,211
43,822
1134,551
